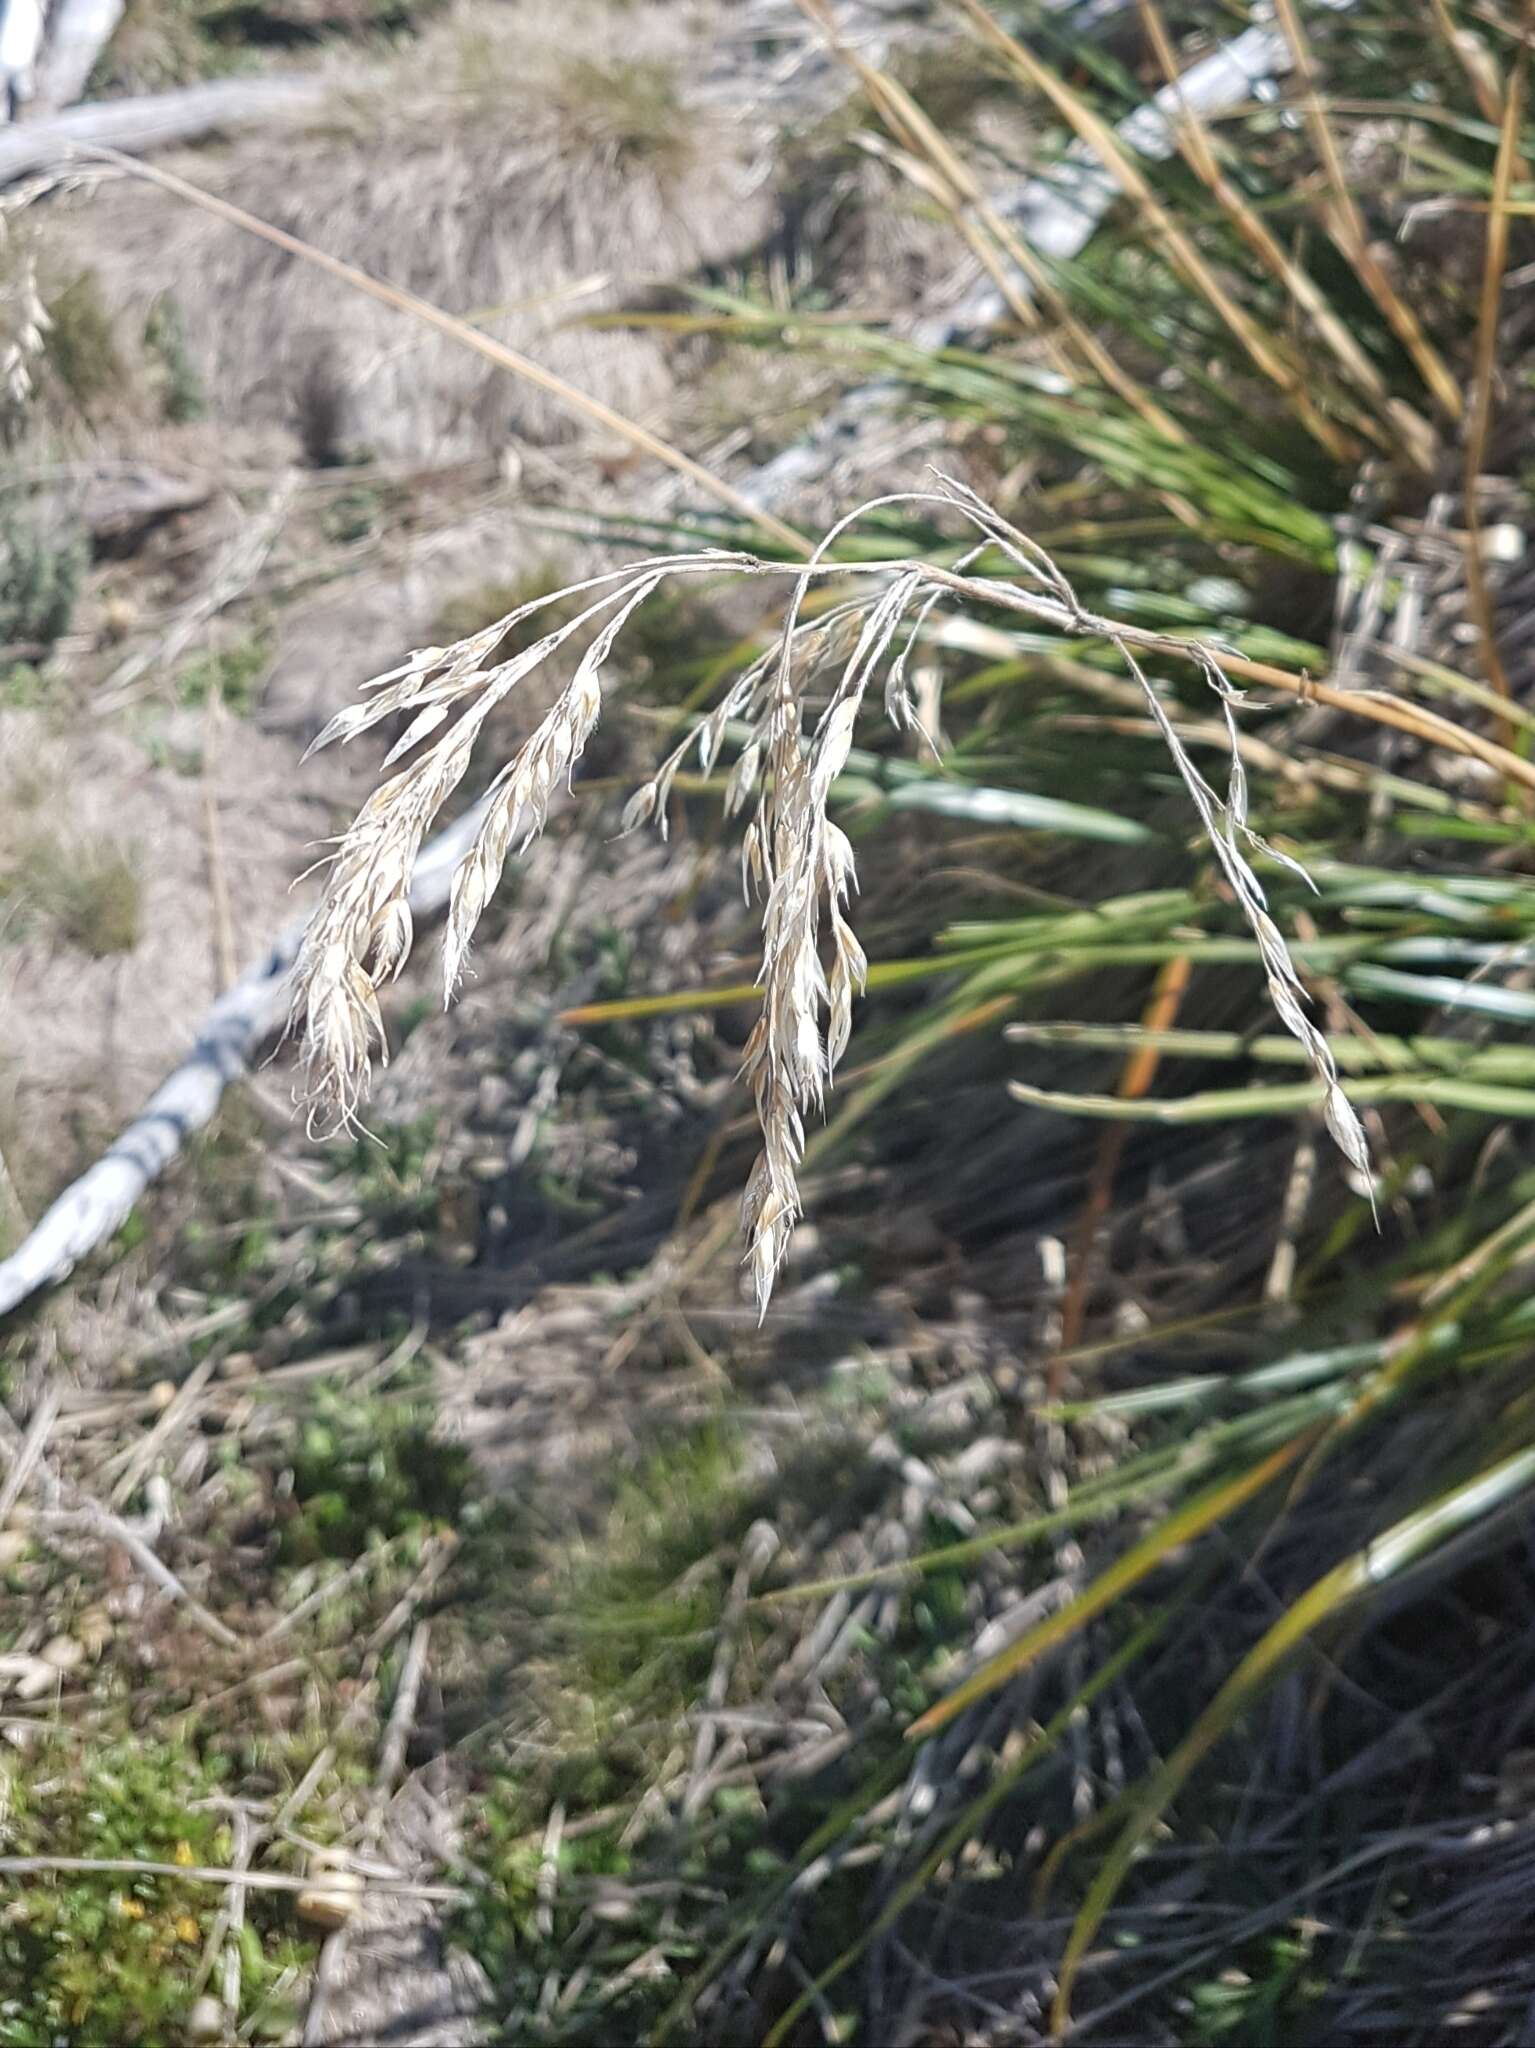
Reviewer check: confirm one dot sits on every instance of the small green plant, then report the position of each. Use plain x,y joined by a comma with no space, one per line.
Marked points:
354,514
367,1469
22,686
1261,2007
182,395
234,671
109,1960
41,567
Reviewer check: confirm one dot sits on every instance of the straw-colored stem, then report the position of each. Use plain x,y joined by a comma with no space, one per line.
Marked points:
1479,425
1348,228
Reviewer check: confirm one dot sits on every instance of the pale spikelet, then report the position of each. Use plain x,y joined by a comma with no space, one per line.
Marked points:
23,330
794,859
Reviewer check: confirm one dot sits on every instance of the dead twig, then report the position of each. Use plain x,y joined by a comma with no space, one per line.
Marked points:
31,1447
93,1520
136,1461
209,1873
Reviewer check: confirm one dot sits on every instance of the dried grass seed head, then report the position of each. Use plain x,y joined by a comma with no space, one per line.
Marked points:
795,859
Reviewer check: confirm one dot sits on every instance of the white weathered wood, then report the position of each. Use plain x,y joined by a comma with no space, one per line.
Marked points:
77,34
243,1019
156,121
21,43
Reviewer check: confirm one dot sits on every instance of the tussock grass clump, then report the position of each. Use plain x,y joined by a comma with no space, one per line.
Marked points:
628,110
80,345
87,893
798,860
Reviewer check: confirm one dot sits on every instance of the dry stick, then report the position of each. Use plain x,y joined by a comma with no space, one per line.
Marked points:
230,1916
92,1520
208,1873
154,120
359,1568
141,1455
422,1584
78,32
547,1886
391,1762
304,1790
1479,425
259,1681
30,1449
234,1914
1280,1278
497,352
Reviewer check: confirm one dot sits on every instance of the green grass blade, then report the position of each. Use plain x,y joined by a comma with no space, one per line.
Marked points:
1183,1526
1217,1105
1361,1573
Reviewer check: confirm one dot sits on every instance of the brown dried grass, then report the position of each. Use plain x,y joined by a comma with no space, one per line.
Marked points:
461,173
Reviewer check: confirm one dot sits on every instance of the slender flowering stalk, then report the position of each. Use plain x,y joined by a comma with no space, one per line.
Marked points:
794,858
23,331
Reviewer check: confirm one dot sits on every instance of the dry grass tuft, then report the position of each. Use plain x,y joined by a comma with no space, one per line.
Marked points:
453,172
799,863
89,893
630,113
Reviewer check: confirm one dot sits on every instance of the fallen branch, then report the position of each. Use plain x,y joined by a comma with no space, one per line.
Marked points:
78,32
234,1031
156,120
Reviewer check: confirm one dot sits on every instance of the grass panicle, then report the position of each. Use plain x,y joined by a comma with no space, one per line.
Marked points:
794,856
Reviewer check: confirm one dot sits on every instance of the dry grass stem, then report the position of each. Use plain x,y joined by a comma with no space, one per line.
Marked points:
30,1450
94,1521
1347,226
203,1873
1163,229
1479,424
794,857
